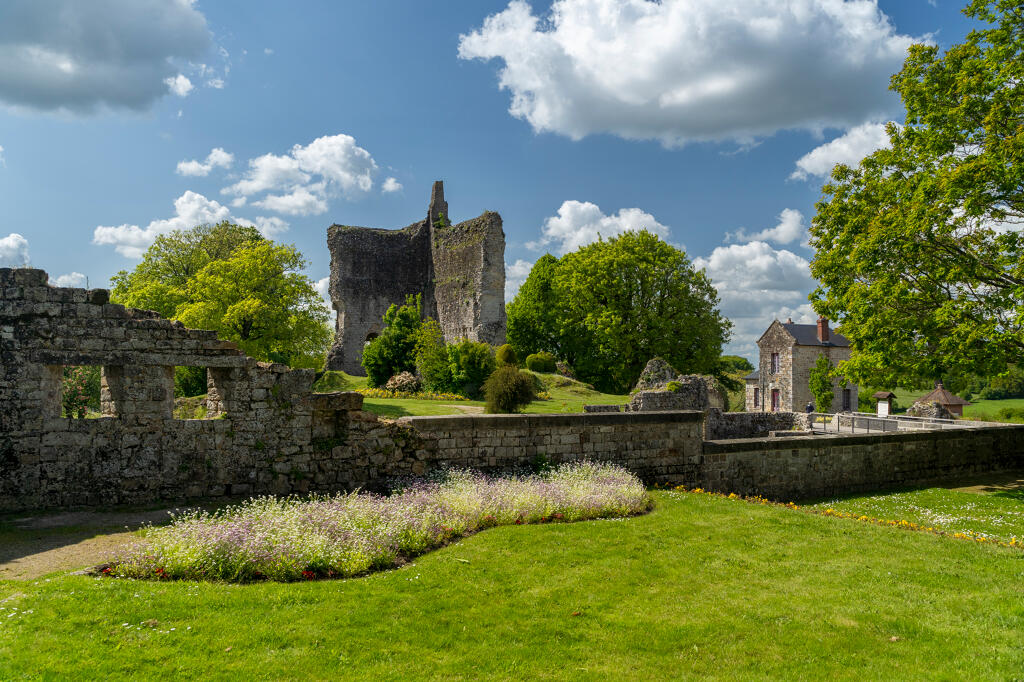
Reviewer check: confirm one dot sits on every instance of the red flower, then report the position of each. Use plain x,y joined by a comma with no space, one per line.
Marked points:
308,575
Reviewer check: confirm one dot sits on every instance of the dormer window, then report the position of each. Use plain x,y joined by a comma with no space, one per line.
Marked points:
775,363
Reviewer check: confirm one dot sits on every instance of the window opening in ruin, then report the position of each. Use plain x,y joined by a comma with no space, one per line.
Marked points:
191,393
79,392
369,337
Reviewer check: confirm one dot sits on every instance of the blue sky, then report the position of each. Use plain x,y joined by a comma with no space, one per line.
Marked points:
710,122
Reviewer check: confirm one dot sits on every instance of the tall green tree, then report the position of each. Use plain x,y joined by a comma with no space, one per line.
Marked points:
820,383
394,350
230,279
919,251
613,305
259,298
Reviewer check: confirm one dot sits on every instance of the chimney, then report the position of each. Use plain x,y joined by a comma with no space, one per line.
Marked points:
823,329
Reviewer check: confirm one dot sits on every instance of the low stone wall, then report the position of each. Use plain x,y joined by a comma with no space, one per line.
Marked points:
817,466
729,425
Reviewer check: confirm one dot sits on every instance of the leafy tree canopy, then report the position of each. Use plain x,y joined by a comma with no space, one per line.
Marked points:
229,279
613,305
919,249
394,350
820,383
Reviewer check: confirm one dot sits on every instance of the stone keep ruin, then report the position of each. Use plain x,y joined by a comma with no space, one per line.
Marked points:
459,270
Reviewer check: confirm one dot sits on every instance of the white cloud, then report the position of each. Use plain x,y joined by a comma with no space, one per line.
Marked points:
515,275
580,222
3,162
268,51
190,209
301,182
79,56
180,85
790,228
71,279
686,70
756,284
13,251
217,158
389,185
849,149
323,287
216,83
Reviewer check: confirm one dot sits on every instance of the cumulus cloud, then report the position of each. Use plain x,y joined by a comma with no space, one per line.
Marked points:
71,279
691,70
77,56
216,83
3,163
579,223
515,274
302,181
323,287
180,85
756,284
13,251
190,209
217,158
389,185
790,228
848,149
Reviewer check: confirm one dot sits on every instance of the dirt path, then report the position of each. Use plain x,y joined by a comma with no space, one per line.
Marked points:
467,409
32,546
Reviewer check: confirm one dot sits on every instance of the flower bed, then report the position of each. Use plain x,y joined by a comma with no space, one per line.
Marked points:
268,538
384,393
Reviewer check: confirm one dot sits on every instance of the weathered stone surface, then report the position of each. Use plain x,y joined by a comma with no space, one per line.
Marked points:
655,375
459,270
930,410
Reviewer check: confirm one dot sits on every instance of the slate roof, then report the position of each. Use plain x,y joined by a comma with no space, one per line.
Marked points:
753,376
943,397
807,335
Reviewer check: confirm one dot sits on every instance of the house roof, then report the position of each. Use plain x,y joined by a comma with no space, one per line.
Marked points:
884,395
753,376
807,335
943,397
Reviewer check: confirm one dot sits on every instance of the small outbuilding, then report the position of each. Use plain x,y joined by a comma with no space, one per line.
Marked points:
953,403
885,403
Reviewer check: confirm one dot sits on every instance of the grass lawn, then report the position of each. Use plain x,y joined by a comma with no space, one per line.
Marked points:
998,515
703,586
567,395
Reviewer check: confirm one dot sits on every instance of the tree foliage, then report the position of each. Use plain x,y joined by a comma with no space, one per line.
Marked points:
820,383
394,350
432,358
611,306
229,279
919,250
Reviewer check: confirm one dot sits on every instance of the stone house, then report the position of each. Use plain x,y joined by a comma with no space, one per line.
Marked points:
787,353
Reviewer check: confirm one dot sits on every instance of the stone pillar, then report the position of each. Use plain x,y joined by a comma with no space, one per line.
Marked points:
137,391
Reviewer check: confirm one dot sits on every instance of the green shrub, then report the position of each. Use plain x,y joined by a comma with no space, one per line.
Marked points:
506,355
471,363
1011,414
541,362
432,359
394,351
674,386
508,389
80,391
189,382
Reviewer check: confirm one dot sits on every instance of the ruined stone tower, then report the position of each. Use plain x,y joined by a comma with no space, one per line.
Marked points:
458,269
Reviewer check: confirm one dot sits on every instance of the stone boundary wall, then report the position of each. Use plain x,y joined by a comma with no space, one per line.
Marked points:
816,466
729,425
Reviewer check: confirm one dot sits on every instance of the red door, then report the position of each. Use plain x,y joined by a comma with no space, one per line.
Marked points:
776,401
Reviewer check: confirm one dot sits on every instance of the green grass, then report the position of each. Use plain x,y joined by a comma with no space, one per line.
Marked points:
998,515
988,410
566,395
701,587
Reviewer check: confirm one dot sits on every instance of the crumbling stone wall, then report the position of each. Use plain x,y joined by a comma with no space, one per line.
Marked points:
458,269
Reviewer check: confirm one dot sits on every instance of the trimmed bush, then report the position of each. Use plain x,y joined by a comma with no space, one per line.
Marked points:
506,355
406,382
507,390
471,363
541,362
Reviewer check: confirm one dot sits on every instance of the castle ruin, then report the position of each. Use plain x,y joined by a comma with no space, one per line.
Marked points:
459,270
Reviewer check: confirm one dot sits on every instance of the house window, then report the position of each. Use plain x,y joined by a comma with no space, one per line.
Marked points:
757,397
775,363
776,400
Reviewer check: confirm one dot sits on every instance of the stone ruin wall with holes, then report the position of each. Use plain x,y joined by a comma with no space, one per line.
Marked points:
459,270
267,433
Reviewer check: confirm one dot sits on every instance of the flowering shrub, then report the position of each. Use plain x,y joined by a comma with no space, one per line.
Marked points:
346,535
384,393
406,382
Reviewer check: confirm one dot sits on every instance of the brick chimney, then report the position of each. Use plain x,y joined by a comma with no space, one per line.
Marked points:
823,329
